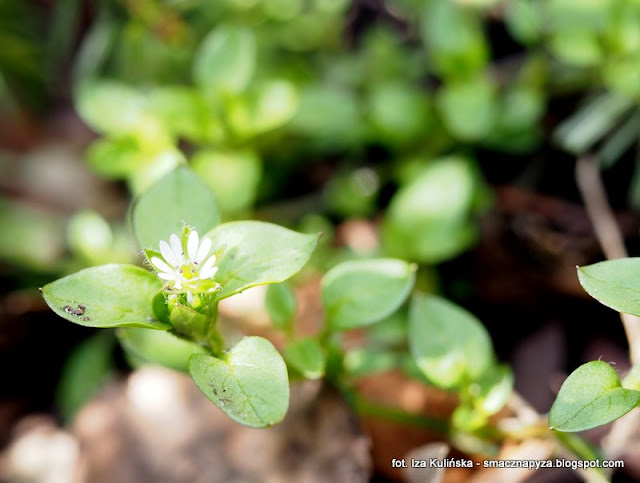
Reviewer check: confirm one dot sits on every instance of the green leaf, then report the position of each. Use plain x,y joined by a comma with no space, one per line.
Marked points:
281,305
106,296
614,283
466,418
275,104
429,219
96,46
159,347
179,197
156,166
468,107
453,35
578,47
250,384
399,112
492,391
188,322
591,396
115,158
185,113
307,357
40,233
449,345
614,146
85,371
363,292
195,326
225,60
89,235
110,107
160,307
620,75
270,106
233,176
523,19
328,116
258,253
592,121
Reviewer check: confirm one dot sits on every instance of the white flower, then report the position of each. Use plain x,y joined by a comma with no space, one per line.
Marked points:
188,274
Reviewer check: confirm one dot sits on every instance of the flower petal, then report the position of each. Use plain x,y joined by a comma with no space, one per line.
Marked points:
167,253
209,273
160,265
203,251
167,276
208,270
177,248
192,245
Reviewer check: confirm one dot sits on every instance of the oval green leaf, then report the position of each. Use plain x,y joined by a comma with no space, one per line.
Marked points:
115,158
449,345
179,197
281,305
250,384
257,253
614,283
468,108
453,55
184,112
493,389
86,370
591,396
362,292
158,347
430,218
226,60
234,177
106,296
110,107
275,104
269,106
307,357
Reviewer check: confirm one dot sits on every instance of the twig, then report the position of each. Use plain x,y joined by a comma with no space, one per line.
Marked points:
524,411
598,209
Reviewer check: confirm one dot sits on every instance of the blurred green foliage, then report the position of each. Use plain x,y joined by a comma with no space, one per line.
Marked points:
377,109
312,112
249,91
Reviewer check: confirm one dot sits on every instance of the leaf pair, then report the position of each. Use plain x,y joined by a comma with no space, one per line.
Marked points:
593,395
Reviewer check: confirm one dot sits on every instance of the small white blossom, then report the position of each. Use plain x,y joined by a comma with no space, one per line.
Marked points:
186,265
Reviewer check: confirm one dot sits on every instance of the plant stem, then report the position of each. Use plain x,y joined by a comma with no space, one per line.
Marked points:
577,446
213,338
397,415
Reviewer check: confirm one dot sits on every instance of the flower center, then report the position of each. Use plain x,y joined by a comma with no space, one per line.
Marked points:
188,271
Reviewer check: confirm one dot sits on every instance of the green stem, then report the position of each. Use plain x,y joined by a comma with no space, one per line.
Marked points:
213,338
577,446
398,415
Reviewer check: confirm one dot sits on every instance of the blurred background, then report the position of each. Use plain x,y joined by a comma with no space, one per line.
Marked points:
443,132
